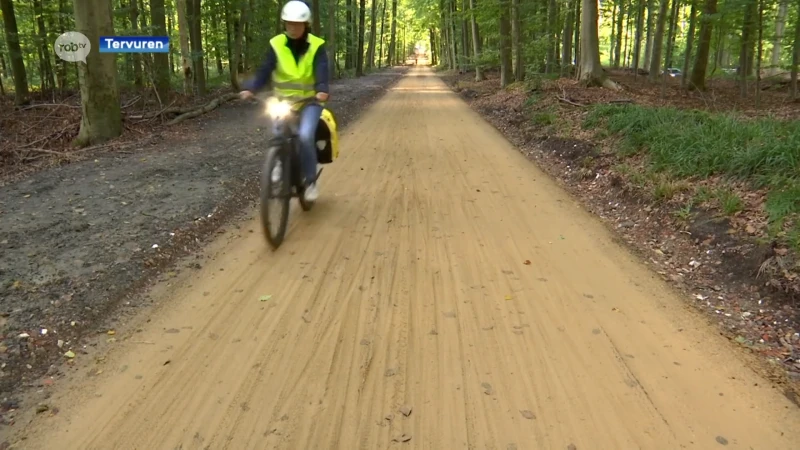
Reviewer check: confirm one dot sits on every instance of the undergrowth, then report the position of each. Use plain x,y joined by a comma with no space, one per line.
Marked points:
694,144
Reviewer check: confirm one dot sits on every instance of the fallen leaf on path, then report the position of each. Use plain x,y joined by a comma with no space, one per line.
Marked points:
265,298
508,297
528,414
111,332
405,410
70,354
527,262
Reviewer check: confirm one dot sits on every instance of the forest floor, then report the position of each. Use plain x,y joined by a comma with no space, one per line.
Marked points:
708,199
81,232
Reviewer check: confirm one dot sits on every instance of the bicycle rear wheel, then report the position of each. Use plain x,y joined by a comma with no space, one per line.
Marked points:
275,196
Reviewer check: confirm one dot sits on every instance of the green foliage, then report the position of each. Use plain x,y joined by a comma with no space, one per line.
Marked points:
684,144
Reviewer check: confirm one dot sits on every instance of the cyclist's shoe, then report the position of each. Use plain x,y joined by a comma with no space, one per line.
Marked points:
311,192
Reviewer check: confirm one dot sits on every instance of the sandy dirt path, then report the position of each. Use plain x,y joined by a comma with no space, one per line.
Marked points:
443,276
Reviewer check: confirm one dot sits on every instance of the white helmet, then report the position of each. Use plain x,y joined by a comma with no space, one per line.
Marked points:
296,11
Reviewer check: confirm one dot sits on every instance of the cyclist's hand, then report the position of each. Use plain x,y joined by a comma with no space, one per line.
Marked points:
322,96
244,95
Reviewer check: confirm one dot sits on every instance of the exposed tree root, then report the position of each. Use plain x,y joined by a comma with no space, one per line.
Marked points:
208,107
600,81
178,114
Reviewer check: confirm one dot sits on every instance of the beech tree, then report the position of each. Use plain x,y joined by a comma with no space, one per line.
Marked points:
101,117
15,52
590,71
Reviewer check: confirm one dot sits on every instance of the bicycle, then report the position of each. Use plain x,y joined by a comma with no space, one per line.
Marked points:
281,176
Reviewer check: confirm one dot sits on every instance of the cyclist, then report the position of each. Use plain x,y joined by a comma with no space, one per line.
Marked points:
297,65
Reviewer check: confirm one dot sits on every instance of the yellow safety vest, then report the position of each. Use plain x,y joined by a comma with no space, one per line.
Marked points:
294,78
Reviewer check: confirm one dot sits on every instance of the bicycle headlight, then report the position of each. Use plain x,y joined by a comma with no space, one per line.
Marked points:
278,109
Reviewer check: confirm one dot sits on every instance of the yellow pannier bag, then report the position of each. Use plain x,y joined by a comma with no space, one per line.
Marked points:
327,138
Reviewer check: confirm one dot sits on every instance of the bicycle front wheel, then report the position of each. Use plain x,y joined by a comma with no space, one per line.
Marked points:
275,196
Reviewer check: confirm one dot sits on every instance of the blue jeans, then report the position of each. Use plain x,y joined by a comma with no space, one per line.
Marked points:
307,132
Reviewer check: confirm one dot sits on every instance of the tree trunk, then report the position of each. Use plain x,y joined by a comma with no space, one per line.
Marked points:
248,38
278,22
373,28
361,24
331,44
552,28
465,47
747,42
198,65
186,55
451,32
795,56
170,28
160,60
590,72
698,75
215,20
620,18
516,42
15,53
393,38
383,31
627,47
777,42
612,37
648,47
101,118
62,27
760,51
658,41
687,57
577,39
476,40
316,18
637,46
506,73
349,61
48,78
237,45
228,42
434,42
566,46
136,57
673,23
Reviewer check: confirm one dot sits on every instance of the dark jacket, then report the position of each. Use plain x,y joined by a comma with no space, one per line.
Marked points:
299,47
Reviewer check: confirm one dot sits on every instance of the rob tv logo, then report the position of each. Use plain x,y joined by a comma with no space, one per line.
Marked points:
73,46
